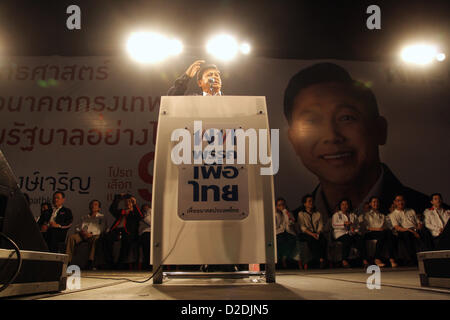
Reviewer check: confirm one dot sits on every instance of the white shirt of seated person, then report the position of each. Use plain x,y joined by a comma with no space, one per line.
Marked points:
406,218
95,225
436,220
338,223
284,222
374,219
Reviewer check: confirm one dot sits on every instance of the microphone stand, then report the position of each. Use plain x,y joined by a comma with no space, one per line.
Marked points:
211,82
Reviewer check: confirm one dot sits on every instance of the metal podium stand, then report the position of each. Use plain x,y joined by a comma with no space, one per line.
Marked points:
186,237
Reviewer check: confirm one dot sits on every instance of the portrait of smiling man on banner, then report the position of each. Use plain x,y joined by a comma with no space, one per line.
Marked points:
336,130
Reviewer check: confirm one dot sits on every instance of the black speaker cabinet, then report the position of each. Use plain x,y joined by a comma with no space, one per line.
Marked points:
434,268
41,271
16,218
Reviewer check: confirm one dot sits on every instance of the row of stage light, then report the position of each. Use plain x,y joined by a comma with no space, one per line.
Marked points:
150,47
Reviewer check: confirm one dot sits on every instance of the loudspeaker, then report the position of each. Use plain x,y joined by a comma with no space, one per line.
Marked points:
434,268
38,270
16,219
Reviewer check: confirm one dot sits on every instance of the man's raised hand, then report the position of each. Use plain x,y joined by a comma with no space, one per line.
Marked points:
194,67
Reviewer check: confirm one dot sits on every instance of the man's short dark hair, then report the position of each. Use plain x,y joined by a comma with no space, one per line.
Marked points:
304,198
203,68
61,193
322,73
435,194
350,206
280,199
92,202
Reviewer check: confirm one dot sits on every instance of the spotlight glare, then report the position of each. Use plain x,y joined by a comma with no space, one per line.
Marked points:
175,47
440,56
149,47
245,48
421,54
223,47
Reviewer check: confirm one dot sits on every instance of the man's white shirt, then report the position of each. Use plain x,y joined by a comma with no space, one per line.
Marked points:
436,219
374,219
283,222
338,223
54,214
404,218
95,225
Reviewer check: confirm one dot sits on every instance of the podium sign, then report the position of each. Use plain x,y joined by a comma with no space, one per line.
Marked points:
205,194
219,212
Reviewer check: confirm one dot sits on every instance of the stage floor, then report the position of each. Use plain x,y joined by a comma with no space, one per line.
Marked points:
335,284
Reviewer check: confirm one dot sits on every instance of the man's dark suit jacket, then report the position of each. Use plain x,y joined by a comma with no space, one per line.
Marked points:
56,236
64,217
390,188
180,86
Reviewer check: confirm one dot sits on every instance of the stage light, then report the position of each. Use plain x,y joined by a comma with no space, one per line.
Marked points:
421,54
175,47
150,47
223,47
440,56
245,48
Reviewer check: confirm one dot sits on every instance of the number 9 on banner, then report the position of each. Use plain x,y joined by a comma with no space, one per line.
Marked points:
144,169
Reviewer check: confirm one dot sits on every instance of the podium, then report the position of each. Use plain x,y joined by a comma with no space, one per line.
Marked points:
208,206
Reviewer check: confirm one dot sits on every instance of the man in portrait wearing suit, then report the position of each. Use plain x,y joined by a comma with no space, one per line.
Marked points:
336,130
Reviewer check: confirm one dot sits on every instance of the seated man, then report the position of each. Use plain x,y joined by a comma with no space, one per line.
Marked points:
376,229
346,229
92,226
285,230
125,229
59,223
311,227
436,221
409,228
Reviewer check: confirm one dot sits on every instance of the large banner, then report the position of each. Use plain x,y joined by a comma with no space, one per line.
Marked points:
87,125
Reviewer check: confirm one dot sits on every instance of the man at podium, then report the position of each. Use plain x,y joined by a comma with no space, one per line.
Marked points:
210,83
208,80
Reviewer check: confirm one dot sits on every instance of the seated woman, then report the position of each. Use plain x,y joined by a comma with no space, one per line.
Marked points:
286,235
376,228
311,229
346,229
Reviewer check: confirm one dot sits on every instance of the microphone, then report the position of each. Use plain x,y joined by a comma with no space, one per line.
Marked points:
211,82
